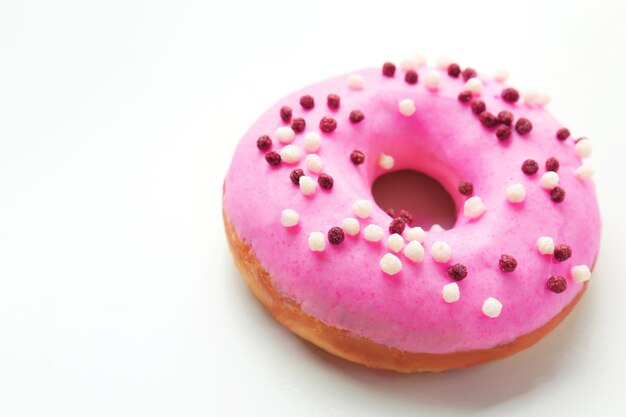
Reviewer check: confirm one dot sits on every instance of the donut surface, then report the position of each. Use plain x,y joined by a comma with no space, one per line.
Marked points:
517,259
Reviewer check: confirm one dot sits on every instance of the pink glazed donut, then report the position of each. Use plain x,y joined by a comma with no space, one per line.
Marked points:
338,271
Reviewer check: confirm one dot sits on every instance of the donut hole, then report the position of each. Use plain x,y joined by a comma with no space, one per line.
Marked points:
421,195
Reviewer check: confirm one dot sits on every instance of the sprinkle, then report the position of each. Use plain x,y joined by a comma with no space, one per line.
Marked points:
307,102
454,70
272,158
474,85
557,194
414,251
397,225
466,188
285,134
562,134
336,235
357,157
487,119
457,272
469,73
356,116
295,175
328,124
556,284
298,124
562,252
492,307
325,181
432,79
515,193
530,167
583,148
264,142
465,96
411,77
473,207
395,242
390,264
507,263
584,172
307,185
523,126
333,101
389,69
451,293
290,154
501,75
312,142
505,117
289,218
531,97
409,63
356,81
510,95
549,180
390,212
436,228
420,59
285,113
415,233
317,243
314,163
363,208
443,62
373,233
441,252
478,106
552,164
580,273
503,132
385,161
543,99
545,245
406,107
351,226
406,216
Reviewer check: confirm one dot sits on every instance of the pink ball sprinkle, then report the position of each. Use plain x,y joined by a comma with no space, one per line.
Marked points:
530,167
307,102
325,181
562,133
264,142
406,217
469,73
454,70
562,252
397,225
510,95
457,272
389,69
503,132
298,124
465,96
507,263
336,235
273,158
390,212
557,284
357,157
295,175
285,113
466,188
333,101
478,106
557,194
487,119
328,124
505,117
552,164
523,126
411,77
356,116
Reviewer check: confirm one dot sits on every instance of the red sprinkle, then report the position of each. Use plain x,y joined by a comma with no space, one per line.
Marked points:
478,106
465,96
503,132
454,70
523,126
562,252
488,119
272,158
298,124
295,175
510,95
552,164
307,102
507,263
397,225
328,124
264,142
406,217
325,181
530,167
466,188
285,113
390,212
562,133
389,69
411,77
469,73
356,116
505,117
357,157
557,284
557,194
333,101
336,235
457,272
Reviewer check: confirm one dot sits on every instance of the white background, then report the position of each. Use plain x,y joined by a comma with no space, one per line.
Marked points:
118,296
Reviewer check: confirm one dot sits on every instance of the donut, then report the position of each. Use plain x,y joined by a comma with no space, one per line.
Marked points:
366,284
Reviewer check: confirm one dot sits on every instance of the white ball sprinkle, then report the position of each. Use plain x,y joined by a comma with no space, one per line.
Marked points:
473,207
356,81
317,242
390,264
451,292
312,142
314,163
351,226
406,107
363,208
545,245
289,218
373,233
492,307
583,148
580,273
385,161
549,180
414,251
308,186
474,85
432,79
415,233
395,242
285,134
290,154
409,63
530,97
501,75
420,59
443,62
584,172
436,228
543,99
515,193
441,252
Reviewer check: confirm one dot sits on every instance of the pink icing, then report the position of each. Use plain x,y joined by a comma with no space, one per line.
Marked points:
344,286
